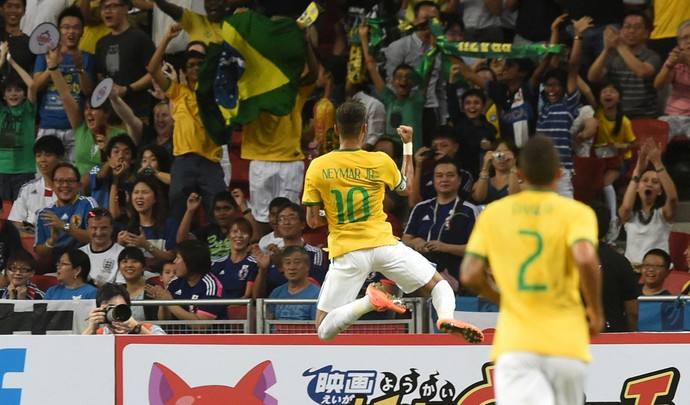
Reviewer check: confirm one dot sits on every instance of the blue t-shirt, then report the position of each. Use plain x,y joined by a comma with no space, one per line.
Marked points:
165,240
75,214
296,311
51,110
235,276
60,292
208,287
100,189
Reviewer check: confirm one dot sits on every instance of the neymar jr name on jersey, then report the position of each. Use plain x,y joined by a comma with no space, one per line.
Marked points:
349,173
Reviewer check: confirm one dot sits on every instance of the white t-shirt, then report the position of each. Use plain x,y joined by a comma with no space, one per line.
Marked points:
642,238
104,267
268,239
33,196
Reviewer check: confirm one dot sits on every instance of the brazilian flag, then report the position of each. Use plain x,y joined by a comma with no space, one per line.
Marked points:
256,68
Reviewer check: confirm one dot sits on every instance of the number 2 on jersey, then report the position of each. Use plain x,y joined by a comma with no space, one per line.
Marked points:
347,207
524,267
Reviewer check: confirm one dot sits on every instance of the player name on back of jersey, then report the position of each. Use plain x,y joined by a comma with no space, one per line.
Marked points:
349,173
532,209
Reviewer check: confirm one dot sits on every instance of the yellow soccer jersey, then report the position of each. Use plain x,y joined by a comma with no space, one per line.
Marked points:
276,139
351,186
527,239
200,28
606,137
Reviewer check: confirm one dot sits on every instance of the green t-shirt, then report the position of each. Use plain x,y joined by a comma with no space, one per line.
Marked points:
17,134
86,152
403,112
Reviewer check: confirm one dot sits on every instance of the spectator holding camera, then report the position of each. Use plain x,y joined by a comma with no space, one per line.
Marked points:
443,144
498,177
105,318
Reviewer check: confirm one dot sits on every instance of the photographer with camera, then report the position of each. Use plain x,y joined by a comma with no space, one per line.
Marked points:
113,315
498,177
443,145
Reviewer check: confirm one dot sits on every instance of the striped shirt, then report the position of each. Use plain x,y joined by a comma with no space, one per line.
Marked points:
32,293
555,120
639,98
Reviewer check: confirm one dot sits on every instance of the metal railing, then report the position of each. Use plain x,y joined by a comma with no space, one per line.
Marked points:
248,316
411,322
240,317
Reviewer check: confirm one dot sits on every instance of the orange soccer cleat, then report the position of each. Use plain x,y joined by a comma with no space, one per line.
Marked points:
465,330
383,301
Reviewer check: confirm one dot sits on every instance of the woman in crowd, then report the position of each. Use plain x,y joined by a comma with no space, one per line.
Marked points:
149,228
498,177
155,162
194,280
20,268
240,267
72,273
131,264
649,205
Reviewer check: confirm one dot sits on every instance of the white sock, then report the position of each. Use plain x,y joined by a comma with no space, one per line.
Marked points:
342,317
610,196
443,298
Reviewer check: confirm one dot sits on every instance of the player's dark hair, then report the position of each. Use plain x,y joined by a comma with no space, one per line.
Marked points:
350,117
49,144
196,256
539,161
662,254
110,291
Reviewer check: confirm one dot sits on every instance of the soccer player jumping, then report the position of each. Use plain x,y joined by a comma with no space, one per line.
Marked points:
349,185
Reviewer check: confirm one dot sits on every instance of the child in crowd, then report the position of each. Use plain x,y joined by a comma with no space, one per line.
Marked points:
17,124
613,144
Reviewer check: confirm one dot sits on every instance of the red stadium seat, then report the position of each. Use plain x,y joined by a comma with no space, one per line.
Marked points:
28,243
678,242
6,208
44,282
588,179
646,128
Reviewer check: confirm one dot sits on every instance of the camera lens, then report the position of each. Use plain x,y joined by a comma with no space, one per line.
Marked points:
118,313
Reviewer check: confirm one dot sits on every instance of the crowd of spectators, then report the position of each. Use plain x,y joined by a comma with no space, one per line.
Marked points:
137,191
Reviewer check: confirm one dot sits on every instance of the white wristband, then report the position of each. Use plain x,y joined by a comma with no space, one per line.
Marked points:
407,149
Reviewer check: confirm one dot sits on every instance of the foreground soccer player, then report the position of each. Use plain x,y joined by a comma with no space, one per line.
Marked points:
541,346
349,184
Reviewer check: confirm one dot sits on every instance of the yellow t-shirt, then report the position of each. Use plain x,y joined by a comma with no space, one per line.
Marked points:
200,28
606,137
351,186
668,15
92,33
276,139
527,238
189,134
